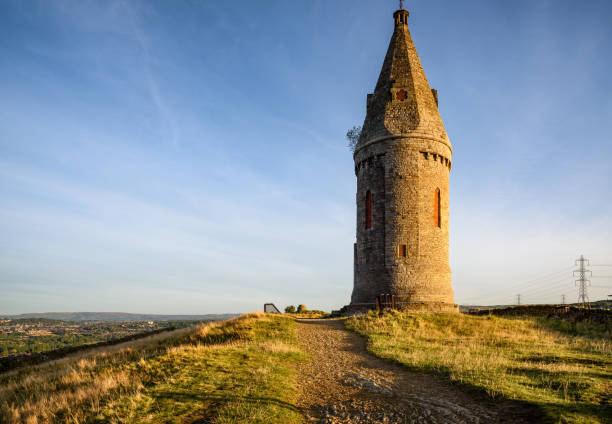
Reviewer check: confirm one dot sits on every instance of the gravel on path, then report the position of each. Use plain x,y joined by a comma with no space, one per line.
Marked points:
344,384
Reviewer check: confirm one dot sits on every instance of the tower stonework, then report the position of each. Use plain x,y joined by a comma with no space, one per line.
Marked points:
402,164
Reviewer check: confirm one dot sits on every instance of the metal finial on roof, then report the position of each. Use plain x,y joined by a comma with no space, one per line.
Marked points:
401,4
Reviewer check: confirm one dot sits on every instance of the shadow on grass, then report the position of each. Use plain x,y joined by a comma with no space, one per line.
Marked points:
216,402
592,327
566,360
562,376
222,338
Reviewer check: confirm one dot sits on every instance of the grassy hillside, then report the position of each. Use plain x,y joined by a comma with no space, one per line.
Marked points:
239,371
567,370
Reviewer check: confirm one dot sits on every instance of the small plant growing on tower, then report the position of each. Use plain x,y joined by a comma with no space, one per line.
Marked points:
302,309
290,309
352,136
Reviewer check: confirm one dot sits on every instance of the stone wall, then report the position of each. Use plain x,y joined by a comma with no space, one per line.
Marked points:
402,174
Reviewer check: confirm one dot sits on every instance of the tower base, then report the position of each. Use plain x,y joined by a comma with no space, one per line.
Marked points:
413,307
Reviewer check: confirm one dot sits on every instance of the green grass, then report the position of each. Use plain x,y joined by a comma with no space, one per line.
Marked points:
568,375
240,371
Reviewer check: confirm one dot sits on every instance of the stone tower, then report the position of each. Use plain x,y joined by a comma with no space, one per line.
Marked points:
402,163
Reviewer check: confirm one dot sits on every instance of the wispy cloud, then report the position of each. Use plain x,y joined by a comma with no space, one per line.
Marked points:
165,111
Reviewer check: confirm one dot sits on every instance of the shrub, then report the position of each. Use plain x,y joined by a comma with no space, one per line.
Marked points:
290,309
301,309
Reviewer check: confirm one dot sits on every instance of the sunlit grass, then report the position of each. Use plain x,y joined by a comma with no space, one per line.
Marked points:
238,371
569,376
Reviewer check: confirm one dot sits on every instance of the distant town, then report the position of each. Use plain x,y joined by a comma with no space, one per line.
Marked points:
21,334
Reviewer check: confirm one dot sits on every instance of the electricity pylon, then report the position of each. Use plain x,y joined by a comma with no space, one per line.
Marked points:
582,282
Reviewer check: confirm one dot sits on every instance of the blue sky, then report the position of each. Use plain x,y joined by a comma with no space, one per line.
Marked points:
189,156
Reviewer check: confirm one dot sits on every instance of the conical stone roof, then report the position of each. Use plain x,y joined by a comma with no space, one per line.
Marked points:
403,104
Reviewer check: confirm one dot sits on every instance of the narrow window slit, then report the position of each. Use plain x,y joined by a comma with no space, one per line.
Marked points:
368,210
402,251
436,209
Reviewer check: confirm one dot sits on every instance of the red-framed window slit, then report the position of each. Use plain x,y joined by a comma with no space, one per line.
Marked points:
402,251
368,210
436,209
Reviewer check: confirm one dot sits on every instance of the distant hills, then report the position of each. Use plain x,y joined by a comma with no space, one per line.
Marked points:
118,316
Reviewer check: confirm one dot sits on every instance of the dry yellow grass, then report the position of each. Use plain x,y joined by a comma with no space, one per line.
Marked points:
114,383
39,393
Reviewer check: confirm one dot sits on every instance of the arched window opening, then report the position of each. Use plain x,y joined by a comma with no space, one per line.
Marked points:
368,210
436,209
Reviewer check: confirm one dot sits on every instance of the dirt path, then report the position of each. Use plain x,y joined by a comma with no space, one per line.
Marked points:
343,383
